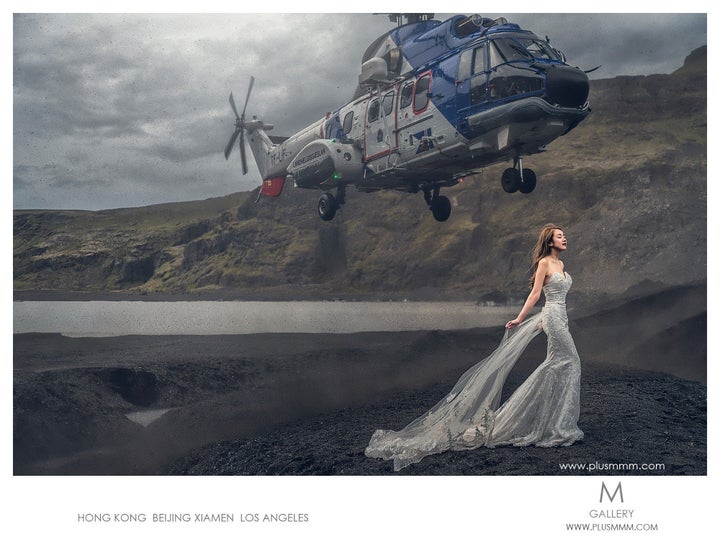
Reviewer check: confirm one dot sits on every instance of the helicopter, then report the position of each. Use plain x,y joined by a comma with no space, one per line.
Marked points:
435,103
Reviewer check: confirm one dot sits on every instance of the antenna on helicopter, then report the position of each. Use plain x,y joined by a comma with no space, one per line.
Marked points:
411,18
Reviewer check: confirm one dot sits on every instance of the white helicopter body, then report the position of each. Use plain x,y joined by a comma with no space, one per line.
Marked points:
435,102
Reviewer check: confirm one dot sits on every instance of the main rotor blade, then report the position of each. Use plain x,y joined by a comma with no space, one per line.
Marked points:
229,146
240,127
242,152
232,104
247,97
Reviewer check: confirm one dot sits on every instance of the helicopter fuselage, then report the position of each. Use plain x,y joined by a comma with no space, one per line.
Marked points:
432,107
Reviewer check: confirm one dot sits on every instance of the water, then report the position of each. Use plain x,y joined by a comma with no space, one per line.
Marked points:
113,318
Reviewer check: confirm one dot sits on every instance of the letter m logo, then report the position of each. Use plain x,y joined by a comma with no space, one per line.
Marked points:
604,491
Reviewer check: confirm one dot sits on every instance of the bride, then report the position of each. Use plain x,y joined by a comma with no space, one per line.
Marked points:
543,411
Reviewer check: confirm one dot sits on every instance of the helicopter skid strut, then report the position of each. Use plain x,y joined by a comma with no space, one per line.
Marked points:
517,178
328,204
439,205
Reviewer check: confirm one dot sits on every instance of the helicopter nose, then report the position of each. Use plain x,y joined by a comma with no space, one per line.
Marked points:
567,86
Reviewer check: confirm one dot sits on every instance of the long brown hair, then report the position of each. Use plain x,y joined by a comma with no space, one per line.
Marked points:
542,248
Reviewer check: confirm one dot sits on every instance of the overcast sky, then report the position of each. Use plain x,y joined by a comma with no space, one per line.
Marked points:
120,110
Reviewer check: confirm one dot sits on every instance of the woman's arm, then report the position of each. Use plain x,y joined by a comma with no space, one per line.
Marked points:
534,296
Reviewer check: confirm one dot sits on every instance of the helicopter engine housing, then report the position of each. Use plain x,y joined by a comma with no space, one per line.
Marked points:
325,163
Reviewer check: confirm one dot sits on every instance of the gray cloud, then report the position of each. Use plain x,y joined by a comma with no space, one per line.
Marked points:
116,110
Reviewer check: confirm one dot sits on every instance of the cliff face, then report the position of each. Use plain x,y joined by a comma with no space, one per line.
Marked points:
628,186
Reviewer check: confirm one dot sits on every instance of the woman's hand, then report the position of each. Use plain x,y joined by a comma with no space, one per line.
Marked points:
513,323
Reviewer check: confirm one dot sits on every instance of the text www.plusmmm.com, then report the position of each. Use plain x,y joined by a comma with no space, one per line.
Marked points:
624,467
611,526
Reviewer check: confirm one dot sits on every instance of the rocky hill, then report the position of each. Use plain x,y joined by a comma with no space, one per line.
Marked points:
628,186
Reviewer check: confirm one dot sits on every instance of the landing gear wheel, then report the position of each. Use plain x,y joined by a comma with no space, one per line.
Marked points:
327,206
511,180
529,180
441,208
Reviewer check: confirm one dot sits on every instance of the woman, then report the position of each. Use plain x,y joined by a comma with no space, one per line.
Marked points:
543,411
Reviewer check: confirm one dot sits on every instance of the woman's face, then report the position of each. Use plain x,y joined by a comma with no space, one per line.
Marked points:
559,242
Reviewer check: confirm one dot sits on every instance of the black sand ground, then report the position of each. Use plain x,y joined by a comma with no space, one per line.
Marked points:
630,419
307,404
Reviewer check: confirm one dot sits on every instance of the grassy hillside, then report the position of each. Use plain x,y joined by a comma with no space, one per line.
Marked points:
628,186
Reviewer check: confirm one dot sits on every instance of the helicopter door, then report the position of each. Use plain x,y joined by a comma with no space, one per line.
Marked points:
471,81
380,134
415,122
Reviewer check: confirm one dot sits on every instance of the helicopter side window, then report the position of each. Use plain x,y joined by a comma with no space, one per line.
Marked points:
387,102
473,61
478,85
406,94
479,64
464,65
472,66
421,100
348,122
373,111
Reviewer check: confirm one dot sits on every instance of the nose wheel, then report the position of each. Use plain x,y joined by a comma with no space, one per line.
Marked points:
517,178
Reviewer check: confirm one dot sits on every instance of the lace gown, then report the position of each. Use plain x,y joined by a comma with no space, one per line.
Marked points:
543,411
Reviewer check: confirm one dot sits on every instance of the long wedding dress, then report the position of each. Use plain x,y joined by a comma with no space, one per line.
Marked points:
543,410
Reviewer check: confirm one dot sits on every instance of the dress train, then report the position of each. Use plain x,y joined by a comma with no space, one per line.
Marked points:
543,411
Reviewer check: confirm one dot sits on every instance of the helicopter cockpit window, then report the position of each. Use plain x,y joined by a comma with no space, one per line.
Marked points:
406,94
539,49
509,76
373,111
422,99
348,123
507,50
387,101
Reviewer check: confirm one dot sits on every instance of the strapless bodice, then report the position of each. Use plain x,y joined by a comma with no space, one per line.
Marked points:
557,288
